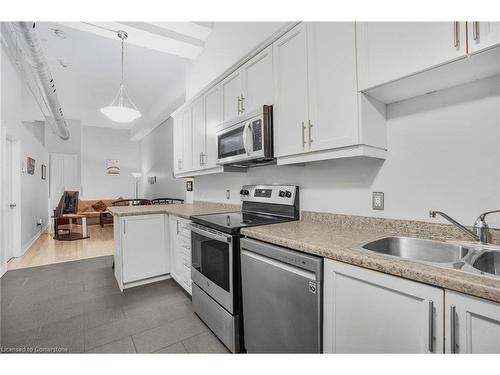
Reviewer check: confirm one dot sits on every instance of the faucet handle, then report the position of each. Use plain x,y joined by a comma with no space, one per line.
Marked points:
483,215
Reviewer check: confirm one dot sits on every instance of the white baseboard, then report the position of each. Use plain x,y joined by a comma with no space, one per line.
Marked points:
32,241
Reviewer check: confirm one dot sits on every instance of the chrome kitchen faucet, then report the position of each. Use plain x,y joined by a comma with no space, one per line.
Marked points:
481,230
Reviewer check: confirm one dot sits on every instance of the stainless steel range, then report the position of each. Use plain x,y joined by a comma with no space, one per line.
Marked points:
215,243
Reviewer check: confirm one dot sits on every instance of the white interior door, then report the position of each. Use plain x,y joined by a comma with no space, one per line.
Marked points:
10,199
63,175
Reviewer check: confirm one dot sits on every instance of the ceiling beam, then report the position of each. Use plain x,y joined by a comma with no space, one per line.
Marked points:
143,35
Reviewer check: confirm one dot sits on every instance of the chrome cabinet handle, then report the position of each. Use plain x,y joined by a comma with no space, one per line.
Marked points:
456,34
239,105
177,226
12,205
431,326
242,102
309,129
303,136
124,227
475,30
453,348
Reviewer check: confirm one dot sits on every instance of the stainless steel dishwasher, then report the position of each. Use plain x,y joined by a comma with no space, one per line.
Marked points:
282,299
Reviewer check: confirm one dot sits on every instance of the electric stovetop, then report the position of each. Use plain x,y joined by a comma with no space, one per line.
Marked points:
232,222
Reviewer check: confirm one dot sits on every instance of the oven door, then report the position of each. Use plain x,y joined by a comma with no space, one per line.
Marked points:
212,264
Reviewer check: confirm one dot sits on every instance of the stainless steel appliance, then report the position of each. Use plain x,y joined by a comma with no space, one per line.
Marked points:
247,140
282,299
215,246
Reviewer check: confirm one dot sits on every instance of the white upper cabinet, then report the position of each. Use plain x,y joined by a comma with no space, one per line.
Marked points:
483,35
213,117
232,90
388,51
290,109
198,121
187,140
333,100
472,325
318,113
257,76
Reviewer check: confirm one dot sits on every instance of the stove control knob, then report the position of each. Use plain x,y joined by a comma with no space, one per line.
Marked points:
242,192
245,192
281,193
288,194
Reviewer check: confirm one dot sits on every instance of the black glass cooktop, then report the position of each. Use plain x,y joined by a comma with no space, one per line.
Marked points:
232,222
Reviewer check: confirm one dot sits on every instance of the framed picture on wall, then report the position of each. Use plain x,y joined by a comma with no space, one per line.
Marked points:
30,165
44,172
112,166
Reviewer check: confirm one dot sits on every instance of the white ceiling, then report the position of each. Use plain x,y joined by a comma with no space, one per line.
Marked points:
92,77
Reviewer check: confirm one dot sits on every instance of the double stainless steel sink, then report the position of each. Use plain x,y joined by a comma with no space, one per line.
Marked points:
474,257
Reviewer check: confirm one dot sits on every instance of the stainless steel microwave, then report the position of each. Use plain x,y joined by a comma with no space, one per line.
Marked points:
247,140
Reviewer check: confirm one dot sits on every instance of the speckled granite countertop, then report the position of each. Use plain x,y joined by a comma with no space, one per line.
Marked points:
185,210
336,236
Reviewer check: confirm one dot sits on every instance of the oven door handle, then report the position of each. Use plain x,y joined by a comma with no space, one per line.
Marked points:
215,236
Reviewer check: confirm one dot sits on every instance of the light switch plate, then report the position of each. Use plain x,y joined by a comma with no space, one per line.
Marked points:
378,200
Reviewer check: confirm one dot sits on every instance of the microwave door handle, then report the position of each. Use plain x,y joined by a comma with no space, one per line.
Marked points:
248,127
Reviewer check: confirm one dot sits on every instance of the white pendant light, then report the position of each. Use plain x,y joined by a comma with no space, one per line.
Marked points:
122,108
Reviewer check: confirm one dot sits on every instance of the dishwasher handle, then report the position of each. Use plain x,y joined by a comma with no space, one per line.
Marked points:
283,255
286,267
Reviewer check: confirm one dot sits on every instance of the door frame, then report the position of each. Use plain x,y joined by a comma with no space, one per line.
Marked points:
16,196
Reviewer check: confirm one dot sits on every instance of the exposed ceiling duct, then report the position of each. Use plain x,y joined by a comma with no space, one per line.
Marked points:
46,84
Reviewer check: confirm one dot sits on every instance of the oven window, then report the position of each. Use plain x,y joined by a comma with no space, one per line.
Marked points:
231,143
211,259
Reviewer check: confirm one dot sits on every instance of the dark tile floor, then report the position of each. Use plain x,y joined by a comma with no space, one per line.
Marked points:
77,307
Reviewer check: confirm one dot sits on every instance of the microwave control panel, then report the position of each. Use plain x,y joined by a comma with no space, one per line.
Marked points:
257,134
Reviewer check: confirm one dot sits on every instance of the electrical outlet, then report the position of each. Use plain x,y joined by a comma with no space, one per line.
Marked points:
378,200
228,194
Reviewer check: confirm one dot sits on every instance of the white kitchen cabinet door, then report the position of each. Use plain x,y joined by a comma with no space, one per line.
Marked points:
174,247
178,143
333,100
180,240
232,90
290,89
388,51
370,312
472,325
483,35
187,140
213,117
258,80
145,247
198,121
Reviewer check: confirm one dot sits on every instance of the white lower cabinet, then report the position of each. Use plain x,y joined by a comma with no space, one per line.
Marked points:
472,325
180,245
141,249
370,312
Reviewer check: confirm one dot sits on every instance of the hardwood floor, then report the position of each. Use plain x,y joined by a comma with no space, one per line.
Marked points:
46,250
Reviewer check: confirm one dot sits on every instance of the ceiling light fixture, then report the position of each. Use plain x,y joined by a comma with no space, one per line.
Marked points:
122,108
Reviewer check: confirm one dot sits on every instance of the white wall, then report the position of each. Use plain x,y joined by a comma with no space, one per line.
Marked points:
444,153
16,103
228,42
98,145
157,160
